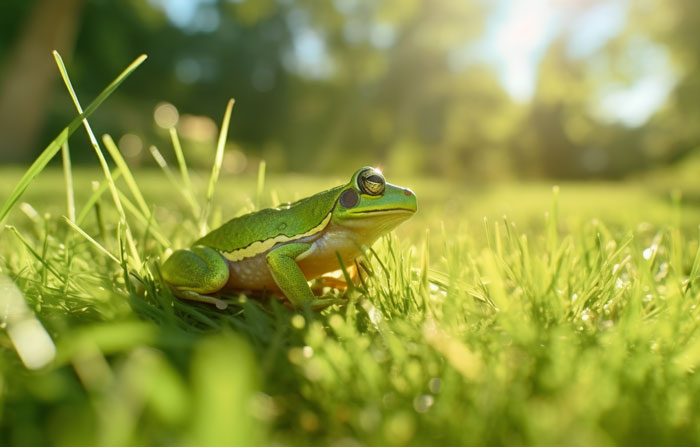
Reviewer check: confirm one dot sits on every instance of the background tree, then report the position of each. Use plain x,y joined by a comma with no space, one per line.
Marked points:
405,84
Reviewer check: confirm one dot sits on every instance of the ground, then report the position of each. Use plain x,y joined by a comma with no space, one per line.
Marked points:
501,314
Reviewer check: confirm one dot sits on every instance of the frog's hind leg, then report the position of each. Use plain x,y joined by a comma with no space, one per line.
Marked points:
195,273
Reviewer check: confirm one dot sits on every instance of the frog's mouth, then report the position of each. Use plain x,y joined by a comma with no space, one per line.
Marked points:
382,212
387,211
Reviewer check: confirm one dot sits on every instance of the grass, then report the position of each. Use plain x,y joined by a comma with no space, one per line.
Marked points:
573,321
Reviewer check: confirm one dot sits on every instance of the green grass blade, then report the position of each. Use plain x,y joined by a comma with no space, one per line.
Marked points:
103,162
146,221
36,254
62,137
696,265
187,195
216,169
128,177
182,163
92,241
261,185
68,178
97,193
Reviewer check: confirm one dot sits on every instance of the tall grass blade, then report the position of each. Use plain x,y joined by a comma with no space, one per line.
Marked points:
103,162
92,241
68,179
187,195
216,169
184,172
128,177
62,137
260,186
37,255
146,221
96,194
696,265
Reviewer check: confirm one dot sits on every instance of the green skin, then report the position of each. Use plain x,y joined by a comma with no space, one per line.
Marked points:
280,249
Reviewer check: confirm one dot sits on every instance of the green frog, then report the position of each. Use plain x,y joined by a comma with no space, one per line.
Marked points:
278,250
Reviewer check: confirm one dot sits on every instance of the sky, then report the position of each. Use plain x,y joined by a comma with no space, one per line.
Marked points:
520,31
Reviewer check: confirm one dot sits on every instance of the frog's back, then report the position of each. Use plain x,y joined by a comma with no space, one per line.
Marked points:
256,232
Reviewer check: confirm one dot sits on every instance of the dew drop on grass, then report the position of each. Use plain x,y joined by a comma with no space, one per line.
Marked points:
298,322
434,385
221,305
308,351
423,403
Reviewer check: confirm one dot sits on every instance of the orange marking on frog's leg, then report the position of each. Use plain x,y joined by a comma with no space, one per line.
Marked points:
337,283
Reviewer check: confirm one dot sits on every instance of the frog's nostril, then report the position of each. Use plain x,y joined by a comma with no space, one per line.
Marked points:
407,192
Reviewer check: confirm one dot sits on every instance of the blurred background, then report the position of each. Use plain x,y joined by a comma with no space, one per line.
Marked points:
477,89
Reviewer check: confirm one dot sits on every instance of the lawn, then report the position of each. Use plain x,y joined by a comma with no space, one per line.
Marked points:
571,320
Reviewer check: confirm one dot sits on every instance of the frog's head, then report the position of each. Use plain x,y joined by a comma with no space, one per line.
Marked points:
371,206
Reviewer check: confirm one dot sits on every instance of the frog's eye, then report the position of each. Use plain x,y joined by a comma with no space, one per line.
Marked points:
349,198
371,182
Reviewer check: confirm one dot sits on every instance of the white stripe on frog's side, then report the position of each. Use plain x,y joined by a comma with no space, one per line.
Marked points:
258,247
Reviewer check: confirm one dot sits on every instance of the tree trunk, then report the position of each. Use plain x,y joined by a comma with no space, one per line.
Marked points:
30,73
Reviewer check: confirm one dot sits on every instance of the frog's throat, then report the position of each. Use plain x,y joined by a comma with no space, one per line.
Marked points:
258,247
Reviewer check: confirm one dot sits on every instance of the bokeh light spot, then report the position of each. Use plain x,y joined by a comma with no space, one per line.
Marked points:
166,115
198,128
130,145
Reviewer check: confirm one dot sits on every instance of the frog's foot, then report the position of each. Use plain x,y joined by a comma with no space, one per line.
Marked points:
196,274
317,304
336,283
194,296
328,282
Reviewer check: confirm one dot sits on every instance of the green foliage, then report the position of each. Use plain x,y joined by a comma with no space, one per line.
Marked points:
402,83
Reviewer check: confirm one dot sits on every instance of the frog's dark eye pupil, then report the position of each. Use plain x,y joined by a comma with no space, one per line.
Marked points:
349,198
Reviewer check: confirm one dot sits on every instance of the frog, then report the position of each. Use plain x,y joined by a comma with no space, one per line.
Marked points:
278,250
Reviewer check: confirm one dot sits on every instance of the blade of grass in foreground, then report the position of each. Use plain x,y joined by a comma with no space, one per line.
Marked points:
261,185
128,177
62,137
97,193
187,195
91,240
216,169
103,162
189,191
68,178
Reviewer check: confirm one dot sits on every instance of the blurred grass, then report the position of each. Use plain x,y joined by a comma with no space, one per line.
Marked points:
573,324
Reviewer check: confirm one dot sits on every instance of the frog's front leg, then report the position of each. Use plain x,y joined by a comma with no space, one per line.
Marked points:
195,273
290,279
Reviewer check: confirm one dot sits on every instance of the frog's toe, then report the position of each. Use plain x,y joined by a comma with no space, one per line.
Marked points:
194,296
